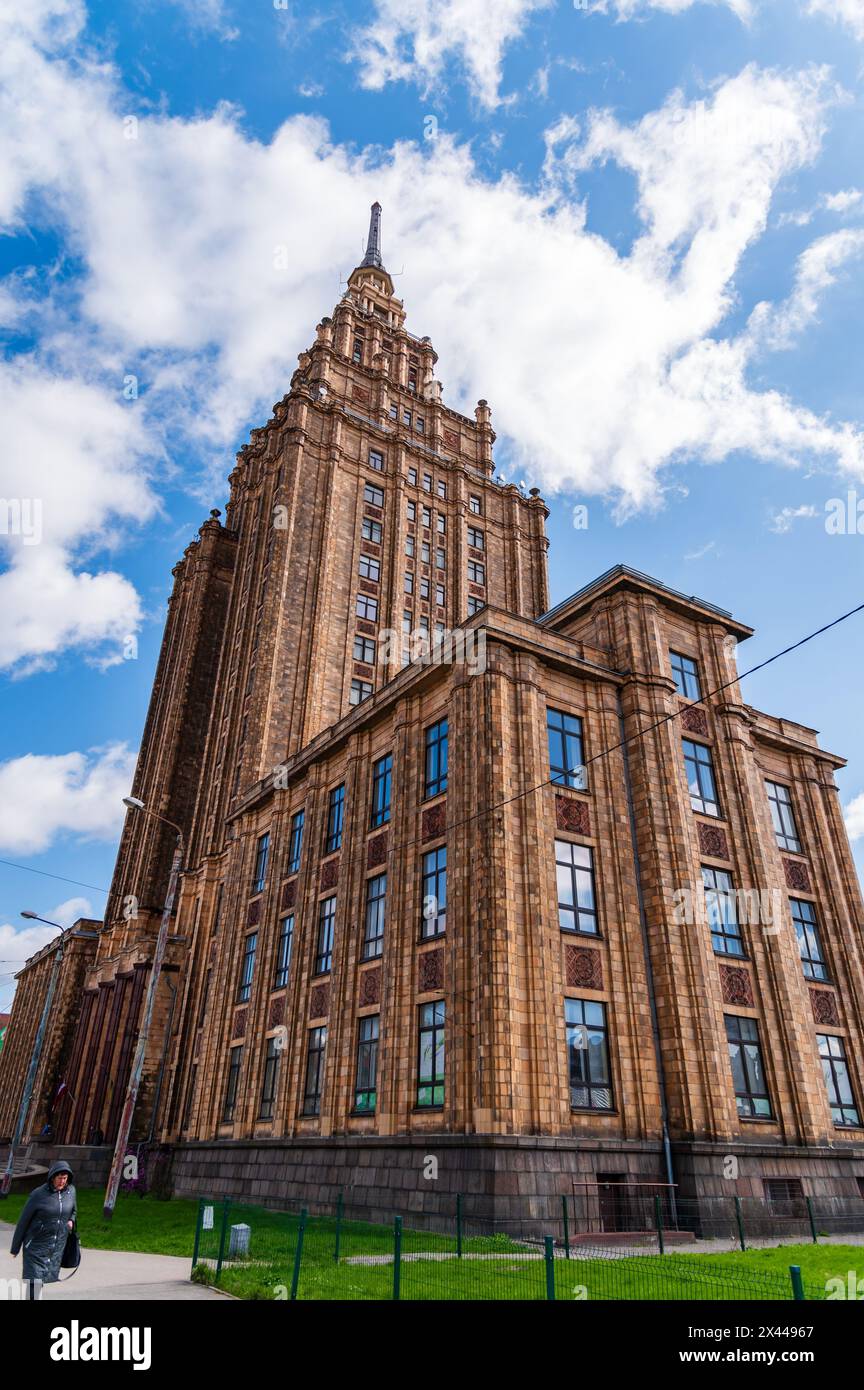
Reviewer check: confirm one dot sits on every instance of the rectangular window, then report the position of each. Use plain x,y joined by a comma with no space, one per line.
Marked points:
783,817
434,890
370,568
577,901
409,547
376,460
394,411
435,780
475,506
360,691
371,530
382,778
426,516
374,495
588,1055
412,478
247,968
420,425
235,1061
700,778
441,523
406,419
367,1064
476,573
357,354
315,1071
259,878
376,902
427,482
440,559
430,1056
283,952
685,673
412,379
335,819
722,911
364,650
367,608
412,511
832,1053
268,1088
409,582
566,753
324,945
748,1071
425,552
424,588
442,488
807,931
440,596
475,604
475,538
295,846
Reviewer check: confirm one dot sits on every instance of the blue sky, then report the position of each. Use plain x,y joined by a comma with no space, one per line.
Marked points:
636,227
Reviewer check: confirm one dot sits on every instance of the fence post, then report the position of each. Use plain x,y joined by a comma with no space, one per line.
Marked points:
298,1255
549,1254
740,1219
339,1209
566,1227
797,1283
812,1220
658,1218
397,1257
226,1207
199,1218
458,1225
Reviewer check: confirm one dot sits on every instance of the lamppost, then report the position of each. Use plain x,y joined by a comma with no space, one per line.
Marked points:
134,804
27,1093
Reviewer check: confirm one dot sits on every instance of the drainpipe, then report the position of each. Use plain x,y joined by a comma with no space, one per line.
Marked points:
643,923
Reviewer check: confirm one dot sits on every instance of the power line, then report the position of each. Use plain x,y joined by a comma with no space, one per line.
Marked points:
27,869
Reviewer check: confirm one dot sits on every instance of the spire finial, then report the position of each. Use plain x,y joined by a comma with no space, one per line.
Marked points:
373,245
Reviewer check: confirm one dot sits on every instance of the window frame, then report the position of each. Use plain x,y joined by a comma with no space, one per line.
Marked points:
684,677
831,1057
720,931
262,855
436,758
433,873
325,936
284,951
577,874
583,1078
313,1085
335,824
569,774
808,925
699,764
295,843
749,1095
374,917
246,977
366,1061
432,1023
787,839
381,796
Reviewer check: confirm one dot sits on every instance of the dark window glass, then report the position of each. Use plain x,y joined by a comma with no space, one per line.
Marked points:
566,755
748,1071
700,778
832,1052
315,1071
475,538
295,846
259,878
588,1055
235,1061
382,779
367,1064
376,899
371,530
268,1088
685,673
367,607
722,910
376,460
357,354
475,604
373,494
370,568
335,819
430,1055
360,691
364,650
476,573
783,817
475,505
807,931
434,892
440,596
577,903
324,945
247,967
412,511
436,759
283,952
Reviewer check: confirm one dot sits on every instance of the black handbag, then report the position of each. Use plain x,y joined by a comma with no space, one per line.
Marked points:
71,1253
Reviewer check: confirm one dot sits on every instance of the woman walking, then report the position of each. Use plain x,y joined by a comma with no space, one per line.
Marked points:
44,1226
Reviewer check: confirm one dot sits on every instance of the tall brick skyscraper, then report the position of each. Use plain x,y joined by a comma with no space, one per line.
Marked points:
555,905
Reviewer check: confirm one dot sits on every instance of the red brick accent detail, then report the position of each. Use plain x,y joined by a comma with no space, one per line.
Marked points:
712,840
376,850
372,547
572,815
368,628
375,512
368,586
239,1029
370,987
451,439
823,1002
277,1012
363,670
289,894
329,873
796,875
359,393
694,720
583,967
434,821
477,589
319,1001
476,554
253,916
736,985
430,974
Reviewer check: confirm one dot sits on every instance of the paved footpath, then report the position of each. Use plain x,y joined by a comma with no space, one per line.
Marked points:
115,1275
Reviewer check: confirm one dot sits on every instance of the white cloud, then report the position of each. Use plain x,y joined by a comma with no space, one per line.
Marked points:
854,817
412,41
208,17
704,550
843,201
848,12
782,521
78,794
847,200
631,9
779,326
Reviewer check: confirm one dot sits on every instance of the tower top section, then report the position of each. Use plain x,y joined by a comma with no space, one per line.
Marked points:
373,244
370,273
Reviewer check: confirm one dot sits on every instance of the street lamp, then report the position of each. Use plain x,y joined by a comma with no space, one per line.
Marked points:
134,803
27,1093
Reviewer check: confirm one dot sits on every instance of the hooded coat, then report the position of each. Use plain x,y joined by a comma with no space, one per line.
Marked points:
42,1227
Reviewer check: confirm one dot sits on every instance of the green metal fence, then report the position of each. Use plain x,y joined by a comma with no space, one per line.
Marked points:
255,1252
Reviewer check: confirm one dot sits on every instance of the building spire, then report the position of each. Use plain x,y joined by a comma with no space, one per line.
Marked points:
373,245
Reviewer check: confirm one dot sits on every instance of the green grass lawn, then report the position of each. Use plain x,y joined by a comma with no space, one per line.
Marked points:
138,1223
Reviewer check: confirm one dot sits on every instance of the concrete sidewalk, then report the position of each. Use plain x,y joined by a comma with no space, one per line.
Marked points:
115,1275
